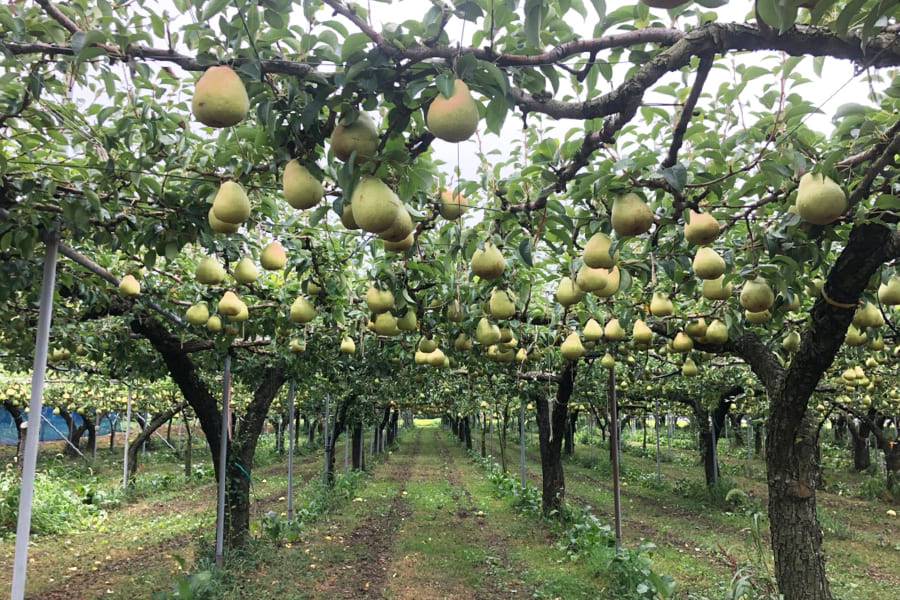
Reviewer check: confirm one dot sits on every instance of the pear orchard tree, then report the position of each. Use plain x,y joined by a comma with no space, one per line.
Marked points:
232,177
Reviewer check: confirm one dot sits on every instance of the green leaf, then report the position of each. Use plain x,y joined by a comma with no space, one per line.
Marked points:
533,16
524,251
212,8
445,83
676,176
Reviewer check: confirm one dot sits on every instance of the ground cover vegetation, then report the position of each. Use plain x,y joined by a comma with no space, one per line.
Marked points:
576,208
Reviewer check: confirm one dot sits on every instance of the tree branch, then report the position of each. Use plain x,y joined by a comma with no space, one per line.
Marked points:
706,62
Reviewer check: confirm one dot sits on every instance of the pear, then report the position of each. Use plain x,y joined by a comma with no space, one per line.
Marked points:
854,336
791,342
756,295
700,229
593,331
302,310
696,328
757,318
297,347
608,362
613,331
716,289
630,215
819,199
242,315
868,315
273,257
501,305
889,293
198,314
231,204
420,358
682,343
612,284
408,321
436,358
245,271
347,217
790,302
386,324
454,311
375,206
214,324
640,333
347,345
379,301
591,279
301,189
400,229
708,264
571,348
462,342
487,263
689,367
450,206
596,252
129,286
487,333
401,246
220,98
220,226
876,344
568,292
427,345
716,332
230,305
359,135
521,355
453,119
209,271
660,305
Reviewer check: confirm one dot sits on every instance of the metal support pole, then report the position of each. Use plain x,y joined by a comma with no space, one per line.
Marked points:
715,458
346,448
35,407
290,490
127,434
327,445
522,438
223,462
614,455
656,427
64,437
749,439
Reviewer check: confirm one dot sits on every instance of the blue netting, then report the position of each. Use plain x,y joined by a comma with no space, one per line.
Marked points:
8,426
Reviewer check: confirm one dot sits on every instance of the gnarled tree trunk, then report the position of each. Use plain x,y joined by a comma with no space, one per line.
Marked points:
551,420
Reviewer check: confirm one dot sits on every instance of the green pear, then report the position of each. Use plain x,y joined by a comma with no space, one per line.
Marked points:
198,314
231,204
454,311
375,206
242,315
453,119
359,136
854,336
487,263
591,279
230,305
245,271
386,324
501,305
572,348
660,305
214,324
347,346
301,189
613,331
427,344
889,293
608,362
568,292
756,295
220,98
791,342
462,342
696,328
487,333
868,315
716,332
759,317
640,333
612,284
347,217
596,252
408,321
129,286
630,215
302,310
593,331
716,289
298,347
689,367
400,229
700,229
708,264
450,206
379,301
401,246
220,226
273,257
819,199
209,271
682,343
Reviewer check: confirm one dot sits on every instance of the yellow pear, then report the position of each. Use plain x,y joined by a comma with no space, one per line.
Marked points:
819,199
462,342
568,292
198,314
791,342
400,229
716,332
612,284
700,229
273,257
379,301
487,263
501,305
689,367
231,204
696,328
242,315
889,293
302,310
347,217
129,286
660,305
220,98
427,345
607,362
487,333
757,318
408,321
756,295
593,331
613,331
571,348
630,215
596,252
375,206
245,271
854,336
640,333
708,264
453,119
301,189
876,344
209,271
347,345
454,311
401,246
386,324
450,206
521,355
220,226
298,347
214,324
682,343
591,279
359,135
716,289
230,305
436,358
868,315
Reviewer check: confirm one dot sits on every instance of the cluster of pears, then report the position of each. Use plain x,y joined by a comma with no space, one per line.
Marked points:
598,274
428,353
230,208
375,208
381,303
866,317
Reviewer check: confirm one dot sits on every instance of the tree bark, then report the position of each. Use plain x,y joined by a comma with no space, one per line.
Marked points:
358,443
147,430
570,433
551,420
859,443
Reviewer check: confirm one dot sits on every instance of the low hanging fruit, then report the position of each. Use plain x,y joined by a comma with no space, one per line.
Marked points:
756,295
245,271
630,215
593,331
568,292
302,310
198,314
487,333
596,252
400,229
347,345
613,278
682,343
689,367
301,189
640,333
450,206
378,300
572,348
487,263
613,331
408,321
355,133
700,229
590,279
454,118
209,271
220,226
716,332
660,305
230,305
501,304
819,199
129,286
716,289
231,204
220,98
708,264
889,293
375,206
273,257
